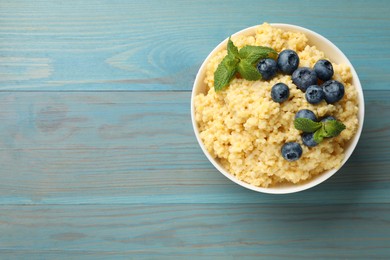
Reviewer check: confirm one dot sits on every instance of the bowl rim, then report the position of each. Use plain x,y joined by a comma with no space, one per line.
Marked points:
291,188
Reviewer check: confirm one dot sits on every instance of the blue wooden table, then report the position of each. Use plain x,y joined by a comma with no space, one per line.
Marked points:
98,158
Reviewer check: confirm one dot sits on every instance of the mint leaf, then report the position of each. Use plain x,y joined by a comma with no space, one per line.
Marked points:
253,54
248,71
306,125
225,72
232,49
241,61
319,135
333,128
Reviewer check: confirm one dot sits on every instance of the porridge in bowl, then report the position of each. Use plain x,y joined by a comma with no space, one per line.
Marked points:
250,125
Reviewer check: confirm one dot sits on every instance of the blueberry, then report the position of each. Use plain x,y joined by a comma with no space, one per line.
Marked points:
304,77
308,140
314,94
267,68
291,151
288,61
333,90
328,118
324,70
280,92
306,113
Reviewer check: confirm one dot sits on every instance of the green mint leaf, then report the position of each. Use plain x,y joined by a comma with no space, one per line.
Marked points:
253,54
232,49
319,135
306,125
248,71
333,128
225,72
241,61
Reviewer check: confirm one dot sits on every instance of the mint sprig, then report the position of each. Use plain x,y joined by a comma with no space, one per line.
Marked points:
242,61
321,130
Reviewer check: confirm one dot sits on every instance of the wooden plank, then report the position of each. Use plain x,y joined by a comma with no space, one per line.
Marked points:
105,45
139,147
228,231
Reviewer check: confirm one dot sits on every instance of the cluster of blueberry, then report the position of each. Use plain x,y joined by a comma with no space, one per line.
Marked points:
307,138
307,80
292,151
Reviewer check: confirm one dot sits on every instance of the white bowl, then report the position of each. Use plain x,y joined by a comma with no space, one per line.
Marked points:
331,52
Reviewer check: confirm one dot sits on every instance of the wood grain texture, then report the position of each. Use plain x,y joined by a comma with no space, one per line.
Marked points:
159,45
139,147
190,231
98,159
